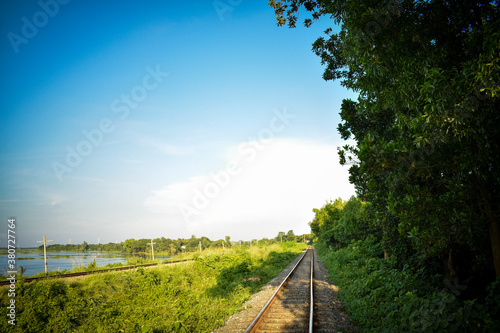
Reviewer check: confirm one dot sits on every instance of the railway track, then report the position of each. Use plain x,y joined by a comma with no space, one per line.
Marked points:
291,306
294,313
68,275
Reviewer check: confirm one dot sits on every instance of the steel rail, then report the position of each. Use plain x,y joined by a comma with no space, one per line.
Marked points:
68,275
311,300
258,318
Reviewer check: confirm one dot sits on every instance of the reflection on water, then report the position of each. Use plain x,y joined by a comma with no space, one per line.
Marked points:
58,261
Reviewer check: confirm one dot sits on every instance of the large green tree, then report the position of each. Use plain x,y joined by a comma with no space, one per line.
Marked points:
340,222
426,122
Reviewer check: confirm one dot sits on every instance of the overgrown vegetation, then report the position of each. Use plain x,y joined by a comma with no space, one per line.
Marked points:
382,297
398,293
423,145
191,297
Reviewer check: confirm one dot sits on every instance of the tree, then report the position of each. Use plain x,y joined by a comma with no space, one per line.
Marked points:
84,246
340,222
205,242
426,122
191,243
326,220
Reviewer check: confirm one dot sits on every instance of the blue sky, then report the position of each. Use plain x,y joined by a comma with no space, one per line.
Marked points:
128,119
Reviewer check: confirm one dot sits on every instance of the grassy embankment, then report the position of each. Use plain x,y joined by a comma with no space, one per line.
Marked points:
191,297
383,298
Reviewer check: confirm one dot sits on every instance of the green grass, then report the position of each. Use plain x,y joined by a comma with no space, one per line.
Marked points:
382,298
190,297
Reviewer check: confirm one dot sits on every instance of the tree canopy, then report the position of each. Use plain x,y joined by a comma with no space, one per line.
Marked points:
167,245
426,124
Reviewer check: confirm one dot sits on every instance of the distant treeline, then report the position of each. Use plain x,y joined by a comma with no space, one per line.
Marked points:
173,246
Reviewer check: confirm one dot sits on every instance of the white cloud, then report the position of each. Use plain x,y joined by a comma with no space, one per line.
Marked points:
56,199
55,204
133,161
266,187
165,148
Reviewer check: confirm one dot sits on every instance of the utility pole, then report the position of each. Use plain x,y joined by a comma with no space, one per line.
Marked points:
200,246
45,251
152,249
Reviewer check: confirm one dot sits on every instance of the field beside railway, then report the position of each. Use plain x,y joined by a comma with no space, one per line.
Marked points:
192,297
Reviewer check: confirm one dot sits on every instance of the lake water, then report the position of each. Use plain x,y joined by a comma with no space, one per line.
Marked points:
58,261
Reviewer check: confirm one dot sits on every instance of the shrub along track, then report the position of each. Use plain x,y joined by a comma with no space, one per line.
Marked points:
77,274
290,309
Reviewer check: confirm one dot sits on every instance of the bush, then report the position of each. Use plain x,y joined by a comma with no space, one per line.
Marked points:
382,298
191,297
